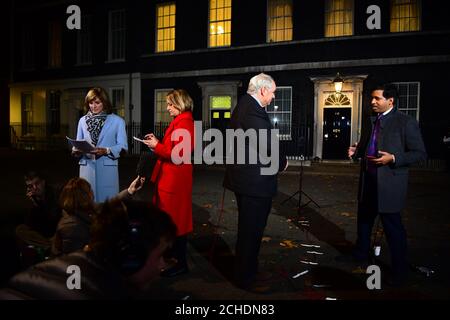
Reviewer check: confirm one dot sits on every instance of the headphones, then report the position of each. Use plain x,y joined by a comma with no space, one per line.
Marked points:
133,253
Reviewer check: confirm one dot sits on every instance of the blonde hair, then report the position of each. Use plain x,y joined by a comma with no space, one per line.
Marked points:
102,95
180,100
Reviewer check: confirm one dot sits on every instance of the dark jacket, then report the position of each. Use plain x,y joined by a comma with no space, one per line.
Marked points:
246,178
399,135
48,280
72,233
44,217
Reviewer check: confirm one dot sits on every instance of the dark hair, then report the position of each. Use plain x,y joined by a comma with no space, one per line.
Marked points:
77,197
101,94
389,91
31,174
113,231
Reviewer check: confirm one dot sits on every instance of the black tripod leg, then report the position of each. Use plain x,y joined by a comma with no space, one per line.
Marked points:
291,196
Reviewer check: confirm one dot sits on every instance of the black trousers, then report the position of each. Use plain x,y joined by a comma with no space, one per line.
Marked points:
393,228
253,214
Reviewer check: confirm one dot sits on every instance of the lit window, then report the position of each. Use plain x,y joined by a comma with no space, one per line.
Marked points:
408,98
220,102
165,27
162,117
405,15
280,111
219,23
338,18
54,44
279,20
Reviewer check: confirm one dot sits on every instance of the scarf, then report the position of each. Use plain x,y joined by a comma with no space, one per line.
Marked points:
95,124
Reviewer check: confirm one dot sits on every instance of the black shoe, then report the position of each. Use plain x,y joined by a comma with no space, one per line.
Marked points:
174,271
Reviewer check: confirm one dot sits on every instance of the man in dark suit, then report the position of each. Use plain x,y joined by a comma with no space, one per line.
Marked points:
391,144
253,187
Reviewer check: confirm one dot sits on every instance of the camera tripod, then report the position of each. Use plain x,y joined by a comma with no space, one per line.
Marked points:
300,191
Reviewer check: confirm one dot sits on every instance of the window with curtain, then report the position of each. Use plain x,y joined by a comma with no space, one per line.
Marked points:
54,44
162,117
84,41
219,23
408,98
165,27
280,111
338,18
405,15
279,20
117,33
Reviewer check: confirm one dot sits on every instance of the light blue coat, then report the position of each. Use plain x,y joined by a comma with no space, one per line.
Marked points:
103,173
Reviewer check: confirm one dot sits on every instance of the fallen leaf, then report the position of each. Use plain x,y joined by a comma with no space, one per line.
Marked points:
266,239
288,244
359,270
207,206
345,214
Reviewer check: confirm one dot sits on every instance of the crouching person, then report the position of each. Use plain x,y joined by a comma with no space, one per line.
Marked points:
125,253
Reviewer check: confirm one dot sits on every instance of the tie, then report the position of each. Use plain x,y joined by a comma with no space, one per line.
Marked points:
373,146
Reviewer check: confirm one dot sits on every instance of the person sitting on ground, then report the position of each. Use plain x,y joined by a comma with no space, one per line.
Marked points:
41,220
128,241
78,207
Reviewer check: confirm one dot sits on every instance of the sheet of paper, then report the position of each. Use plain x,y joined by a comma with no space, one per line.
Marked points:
137,139
81,145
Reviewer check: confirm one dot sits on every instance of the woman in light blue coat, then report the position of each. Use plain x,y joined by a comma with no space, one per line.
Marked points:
106,131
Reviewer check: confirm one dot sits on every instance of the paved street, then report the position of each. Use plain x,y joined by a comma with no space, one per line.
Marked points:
330,228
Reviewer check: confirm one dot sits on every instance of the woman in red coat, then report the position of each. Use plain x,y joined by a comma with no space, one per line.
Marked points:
172,173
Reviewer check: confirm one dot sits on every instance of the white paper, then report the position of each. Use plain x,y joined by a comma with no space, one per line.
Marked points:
82,145
137,139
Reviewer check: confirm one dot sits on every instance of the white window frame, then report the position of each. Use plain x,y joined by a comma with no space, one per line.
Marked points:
283,136
111,94
209,25
325,21
418,97
419,17
163,28
155,103
268,18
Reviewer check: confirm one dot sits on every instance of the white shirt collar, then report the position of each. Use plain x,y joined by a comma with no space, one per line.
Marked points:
255,97
386,112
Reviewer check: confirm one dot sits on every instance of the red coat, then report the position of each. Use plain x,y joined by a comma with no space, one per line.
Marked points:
173,183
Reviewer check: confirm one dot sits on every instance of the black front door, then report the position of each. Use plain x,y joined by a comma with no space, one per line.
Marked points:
220,119
336,132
